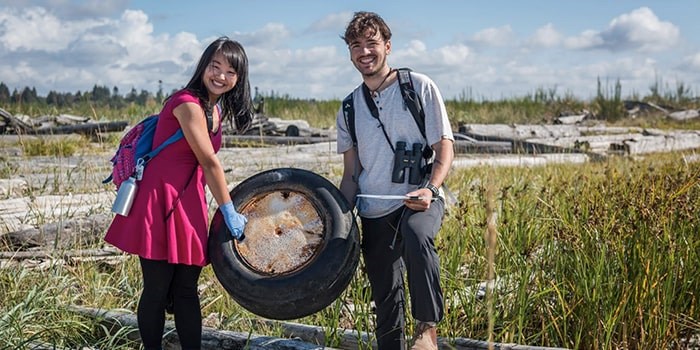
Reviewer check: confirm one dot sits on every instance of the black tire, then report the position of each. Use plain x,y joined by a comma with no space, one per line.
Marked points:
306,288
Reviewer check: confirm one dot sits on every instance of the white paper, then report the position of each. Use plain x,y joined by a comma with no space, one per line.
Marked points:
389,196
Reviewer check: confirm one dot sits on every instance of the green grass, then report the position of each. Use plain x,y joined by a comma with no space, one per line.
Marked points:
594,256
602,255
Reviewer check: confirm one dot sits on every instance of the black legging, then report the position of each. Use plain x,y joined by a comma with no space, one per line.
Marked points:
160,279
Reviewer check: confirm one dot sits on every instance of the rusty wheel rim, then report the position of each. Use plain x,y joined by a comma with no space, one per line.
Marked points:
284,233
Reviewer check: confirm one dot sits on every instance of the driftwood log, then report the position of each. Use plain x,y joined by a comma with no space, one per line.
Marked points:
592,140
45,258
72,233
211,338
63,254
59,124
303,336
238,140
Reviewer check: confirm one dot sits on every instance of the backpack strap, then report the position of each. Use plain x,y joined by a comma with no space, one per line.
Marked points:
174,137
411,98
414,104
349,114
210,121
210,116
177,136
375,113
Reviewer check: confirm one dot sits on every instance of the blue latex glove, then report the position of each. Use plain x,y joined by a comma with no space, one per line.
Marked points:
234,221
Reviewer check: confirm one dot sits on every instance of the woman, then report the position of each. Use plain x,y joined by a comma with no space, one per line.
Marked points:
167,226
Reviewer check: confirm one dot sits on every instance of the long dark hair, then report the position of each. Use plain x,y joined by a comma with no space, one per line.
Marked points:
236,104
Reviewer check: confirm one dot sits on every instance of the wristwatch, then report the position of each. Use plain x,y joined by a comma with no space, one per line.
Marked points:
433,189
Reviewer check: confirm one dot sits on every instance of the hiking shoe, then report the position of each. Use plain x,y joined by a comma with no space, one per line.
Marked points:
425,337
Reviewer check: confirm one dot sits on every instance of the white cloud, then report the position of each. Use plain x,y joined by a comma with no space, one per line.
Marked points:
692,62
586,40
76,54
269,36
454,55
639,30
333,22
50,51
35,28
415,48
546,36
497,36
76,9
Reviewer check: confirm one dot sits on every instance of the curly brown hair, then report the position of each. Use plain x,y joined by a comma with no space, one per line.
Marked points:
365,24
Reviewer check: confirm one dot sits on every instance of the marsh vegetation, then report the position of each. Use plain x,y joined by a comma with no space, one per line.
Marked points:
601,255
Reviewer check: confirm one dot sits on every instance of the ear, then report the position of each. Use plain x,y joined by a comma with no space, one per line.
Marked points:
388,47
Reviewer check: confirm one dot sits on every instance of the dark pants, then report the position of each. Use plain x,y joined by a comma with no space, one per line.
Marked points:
404,238
162,281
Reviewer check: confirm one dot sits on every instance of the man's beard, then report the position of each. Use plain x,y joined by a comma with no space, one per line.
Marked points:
376,71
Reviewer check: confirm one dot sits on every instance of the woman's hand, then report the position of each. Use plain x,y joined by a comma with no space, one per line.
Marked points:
234,221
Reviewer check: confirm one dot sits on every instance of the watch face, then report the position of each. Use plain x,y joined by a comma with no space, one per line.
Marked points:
433,189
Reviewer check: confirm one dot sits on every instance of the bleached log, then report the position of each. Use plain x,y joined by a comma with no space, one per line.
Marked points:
67,119
512,160
64,254
12,187
66,233
211,338
518,132
684,115
306,337
91,128
571,119
16,213
237,140
634,143
349,338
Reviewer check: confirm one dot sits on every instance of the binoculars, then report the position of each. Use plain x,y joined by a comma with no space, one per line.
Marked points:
407,159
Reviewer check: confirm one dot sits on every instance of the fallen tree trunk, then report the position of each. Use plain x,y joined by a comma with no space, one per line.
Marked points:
91,128
211,338
237,140
65,254
40,259
306,336
350,339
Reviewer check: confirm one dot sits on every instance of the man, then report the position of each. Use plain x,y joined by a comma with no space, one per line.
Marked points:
397,233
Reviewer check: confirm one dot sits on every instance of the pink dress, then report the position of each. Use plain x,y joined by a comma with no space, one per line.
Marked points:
169,218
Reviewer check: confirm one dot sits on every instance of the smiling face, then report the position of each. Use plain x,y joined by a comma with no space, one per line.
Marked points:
219,77
368,53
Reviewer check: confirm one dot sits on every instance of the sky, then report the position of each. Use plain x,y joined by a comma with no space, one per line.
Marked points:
490,49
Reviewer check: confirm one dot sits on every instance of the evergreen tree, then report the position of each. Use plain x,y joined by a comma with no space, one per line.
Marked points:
4,93
159,94
52,98
16,97
132,95
100,94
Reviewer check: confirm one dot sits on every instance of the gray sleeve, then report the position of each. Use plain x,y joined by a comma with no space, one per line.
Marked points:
437,123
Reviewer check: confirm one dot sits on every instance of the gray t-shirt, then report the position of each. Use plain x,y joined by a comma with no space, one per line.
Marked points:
375,154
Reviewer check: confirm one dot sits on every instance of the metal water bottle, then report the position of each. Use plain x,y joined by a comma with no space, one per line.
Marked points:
125,197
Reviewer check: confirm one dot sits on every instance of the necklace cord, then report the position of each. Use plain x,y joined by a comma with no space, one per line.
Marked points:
375,91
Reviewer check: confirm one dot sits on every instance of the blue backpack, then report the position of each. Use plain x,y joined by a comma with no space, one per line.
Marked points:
136,148
135,151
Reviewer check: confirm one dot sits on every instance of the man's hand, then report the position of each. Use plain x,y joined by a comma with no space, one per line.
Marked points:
419,200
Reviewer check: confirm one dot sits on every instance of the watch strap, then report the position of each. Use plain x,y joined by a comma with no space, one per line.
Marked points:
433,189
